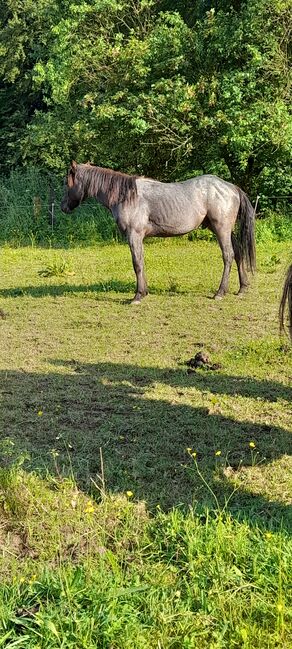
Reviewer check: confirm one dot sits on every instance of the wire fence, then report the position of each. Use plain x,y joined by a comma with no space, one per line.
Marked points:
39,218
37,207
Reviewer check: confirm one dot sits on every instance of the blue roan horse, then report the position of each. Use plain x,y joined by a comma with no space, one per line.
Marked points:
143,207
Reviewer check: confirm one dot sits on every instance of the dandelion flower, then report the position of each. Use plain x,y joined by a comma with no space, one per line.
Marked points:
40,413
189,450
218,453
252,445
89,509
129,494
194,454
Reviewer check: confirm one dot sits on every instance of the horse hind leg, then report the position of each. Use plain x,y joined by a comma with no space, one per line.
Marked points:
242,275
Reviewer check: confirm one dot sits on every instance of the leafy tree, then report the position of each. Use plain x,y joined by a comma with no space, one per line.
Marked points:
162,88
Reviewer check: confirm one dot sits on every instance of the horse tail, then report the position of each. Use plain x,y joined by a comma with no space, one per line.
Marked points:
286,298
246,231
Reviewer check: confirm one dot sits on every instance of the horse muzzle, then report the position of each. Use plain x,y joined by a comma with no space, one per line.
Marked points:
65,208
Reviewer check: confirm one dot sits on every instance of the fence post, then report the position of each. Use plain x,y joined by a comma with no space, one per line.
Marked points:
256,205
51,206
53,216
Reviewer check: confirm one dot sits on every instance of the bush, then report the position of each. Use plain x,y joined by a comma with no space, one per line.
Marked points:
274,227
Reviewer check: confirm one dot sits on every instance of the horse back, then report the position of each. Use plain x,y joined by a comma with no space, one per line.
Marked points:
178,208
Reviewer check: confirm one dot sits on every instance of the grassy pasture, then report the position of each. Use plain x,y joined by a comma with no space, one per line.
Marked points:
97,393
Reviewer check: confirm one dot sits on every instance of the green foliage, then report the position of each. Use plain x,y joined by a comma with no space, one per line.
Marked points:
157,87
274,227
105,574
57,269
26,217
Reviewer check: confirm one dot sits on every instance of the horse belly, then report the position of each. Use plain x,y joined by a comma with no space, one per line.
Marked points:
170,221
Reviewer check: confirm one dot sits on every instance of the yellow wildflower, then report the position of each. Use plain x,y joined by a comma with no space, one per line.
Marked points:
269,535
194,454
40,413
252,445
129,494
217,453
89,509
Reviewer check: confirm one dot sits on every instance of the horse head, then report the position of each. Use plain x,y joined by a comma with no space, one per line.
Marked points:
73,190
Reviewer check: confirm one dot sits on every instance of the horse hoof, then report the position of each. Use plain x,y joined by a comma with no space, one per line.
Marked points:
218,296
242,291
138,298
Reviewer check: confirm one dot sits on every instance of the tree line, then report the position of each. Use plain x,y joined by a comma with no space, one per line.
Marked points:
163,88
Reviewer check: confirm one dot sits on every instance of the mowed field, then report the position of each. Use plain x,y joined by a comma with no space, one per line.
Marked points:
96,396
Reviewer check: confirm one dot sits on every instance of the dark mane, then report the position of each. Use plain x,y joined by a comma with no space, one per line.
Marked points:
116,186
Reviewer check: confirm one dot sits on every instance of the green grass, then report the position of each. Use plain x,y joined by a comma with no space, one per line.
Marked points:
96,400
115,577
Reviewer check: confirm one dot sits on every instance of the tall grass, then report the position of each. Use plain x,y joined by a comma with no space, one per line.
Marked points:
274,227
26,219
105,574
26,213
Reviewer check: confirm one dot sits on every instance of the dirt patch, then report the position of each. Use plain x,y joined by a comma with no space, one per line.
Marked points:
12,543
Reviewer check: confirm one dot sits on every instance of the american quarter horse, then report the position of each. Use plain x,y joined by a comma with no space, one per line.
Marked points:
143,207
287,299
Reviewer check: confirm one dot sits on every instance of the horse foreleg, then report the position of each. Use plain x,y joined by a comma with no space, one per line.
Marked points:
225,244
135,240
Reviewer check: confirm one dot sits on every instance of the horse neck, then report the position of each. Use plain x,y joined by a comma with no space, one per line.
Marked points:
109,187
93,186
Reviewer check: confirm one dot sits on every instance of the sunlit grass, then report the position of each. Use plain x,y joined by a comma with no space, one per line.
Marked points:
143,503
80,572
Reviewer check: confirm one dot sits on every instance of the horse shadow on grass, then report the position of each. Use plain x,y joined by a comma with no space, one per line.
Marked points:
59,290
144,439
108,287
